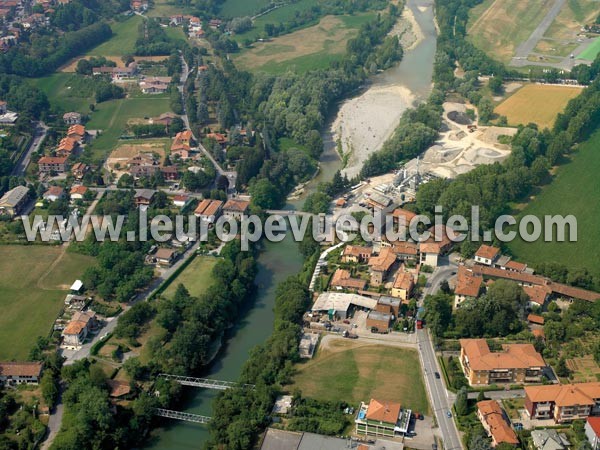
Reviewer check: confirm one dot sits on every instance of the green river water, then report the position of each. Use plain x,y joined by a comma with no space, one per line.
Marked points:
277,261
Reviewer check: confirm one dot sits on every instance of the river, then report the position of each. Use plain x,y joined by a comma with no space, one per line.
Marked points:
277,261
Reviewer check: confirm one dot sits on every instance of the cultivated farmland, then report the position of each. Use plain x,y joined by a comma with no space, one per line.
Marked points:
34,282
353,372
536,103
573,191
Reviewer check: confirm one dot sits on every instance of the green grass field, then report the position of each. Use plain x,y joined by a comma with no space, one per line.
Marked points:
354,372
111,117
241,8
167,8
573,191
591,51
32,293
123,40
196,277
499,26
62,91
283,14
314,47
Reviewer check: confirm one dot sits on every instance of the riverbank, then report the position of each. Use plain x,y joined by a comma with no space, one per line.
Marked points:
364,123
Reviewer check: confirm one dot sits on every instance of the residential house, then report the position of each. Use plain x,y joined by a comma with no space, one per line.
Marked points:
165,119
495,423
535,319
563,402
356,254
13,201
144,197
379,320
487,255
430,252
592,432
54,193
403,285
77,329
79,170
342,279
236,208
181,200
538,295
56,164
182,144
78,192
405,251
12,373
468,286
155,85
66,146
381,265
548,439
382,418
138,172
516,363
165,256
170,173
388,305
221,139
72,118
208,210
77,133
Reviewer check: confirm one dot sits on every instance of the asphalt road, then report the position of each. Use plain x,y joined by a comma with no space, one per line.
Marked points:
438,394
39,134
523,50
231,175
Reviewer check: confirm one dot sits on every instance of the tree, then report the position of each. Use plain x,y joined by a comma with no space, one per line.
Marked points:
486,109
481,396
561,368
49,388
264,195
461,404
438,313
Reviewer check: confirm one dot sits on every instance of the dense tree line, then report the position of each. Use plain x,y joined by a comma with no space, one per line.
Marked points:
49,51
239,414
153,40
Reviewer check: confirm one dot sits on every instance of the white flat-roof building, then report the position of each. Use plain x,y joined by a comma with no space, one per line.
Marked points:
340,303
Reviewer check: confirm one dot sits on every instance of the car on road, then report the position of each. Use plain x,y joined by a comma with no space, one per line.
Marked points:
448,414
437,375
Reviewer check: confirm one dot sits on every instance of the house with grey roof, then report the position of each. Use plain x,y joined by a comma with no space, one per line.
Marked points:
13,201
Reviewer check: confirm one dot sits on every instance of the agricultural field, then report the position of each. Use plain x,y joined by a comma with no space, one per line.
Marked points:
34,282
166,8
536,103
499,26
309,48
283,14
573,191
196,277
123,40
241,8
353,372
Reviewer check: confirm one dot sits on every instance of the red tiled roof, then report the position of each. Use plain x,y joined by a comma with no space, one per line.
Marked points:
15,369
237,205
487,252
513,356
467,283
494,417
534,318
387,412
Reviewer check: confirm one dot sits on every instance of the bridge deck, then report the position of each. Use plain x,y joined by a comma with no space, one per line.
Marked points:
178,415
207,383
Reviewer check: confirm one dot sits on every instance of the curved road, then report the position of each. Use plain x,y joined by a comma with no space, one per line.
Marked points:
440,400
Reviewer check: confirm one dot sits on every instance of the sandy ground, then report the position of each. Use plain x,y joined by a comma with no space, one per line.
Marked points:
459,151
365,122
